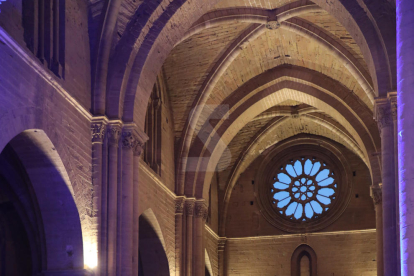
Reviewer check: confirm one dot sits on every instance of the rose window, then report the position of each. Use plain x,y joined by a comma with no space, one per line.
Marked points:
304,189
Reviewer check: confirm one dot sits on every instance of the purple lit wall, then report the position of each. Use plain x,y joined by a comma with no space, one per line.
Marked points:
2,1
405,87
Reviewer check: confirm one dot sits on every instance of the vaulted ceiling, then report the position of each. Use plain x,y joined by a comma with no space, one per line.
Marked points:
249,74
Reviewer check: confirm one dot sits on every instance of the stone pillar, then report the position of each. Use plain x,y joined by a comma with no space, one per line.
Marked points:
376,194
198,247
384,119
137,155
189,215
221,256
179,252
131,139
392,97
405,92
114,133
98,128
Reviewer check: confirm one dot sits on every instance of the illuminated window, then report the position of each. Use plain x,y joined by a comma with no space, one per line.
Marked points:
304,189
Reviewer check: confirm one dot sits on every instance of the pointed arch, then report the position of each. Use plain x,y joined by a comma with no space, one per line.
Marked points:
301,251
49,193
152,250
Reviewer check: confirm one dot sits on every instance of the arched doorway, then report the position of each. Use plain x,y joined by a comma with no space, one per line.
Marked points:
40,228
303,262
152,257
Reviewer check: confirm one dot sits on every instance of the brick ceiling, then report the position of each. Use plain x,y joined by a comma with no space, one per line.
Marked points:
192,60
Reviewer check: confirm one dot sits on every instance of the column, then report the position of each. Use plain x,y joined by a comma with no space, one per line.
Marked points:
137,155
221,256
114,133
189,214
198,246
98,128
405,92
384,119
131,139
179,252
376,194
392,97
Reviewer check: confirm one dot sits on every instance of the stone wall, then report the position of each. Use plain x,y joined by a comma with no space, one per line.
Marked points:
155,196
211,244
244,217
77,71
338,254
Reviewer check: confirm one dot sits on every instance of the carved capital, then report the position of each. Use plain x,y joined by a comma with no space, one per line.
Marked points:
114,133
129,140
179,205
189,207
383,113
98,129
201,210
376,194
392,96
133,139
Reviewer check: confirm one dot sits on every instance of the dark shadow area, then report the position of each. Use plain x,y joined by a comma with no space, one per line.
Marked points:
152,258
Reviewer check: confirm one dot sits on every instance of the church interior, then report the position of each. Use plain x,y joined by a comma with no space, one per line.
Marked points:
206,137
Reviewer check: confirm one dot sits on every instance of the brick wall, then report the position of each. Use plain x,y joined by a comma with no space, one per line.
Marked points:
338,254
153,194
245,220
77,78
33,99
211,245
167,144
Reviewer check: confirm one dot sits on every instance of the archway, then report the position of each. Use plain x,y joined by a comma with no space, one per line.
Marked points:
152,257
38,213
304,261
209,269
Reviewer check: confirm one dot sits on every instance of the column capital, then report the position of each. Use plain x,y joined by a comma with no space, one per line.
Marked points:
201,210
392,97
382,112
179,205
114,129
133,138
376,194
189,206
98,129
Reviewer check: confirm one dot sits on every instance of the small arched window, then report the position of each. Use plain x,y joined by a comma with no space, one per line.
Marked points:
304,261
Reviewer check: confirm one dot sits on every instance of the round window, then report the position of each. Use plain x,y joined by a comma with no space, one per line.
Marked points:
304,184
303,189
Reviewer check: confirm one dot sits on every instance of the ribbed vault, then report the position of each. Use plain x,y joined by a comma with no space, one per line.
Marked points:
244,75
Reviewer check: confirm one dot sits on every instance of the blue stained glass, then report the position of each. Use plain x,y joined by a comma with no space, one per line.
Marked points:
322,175
326,182
291,208
308,178
298,167
316,207
280,185
291,170
281,195
308,210
326,192
308,167
299,211
315,168
323,200
283,203
284,178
